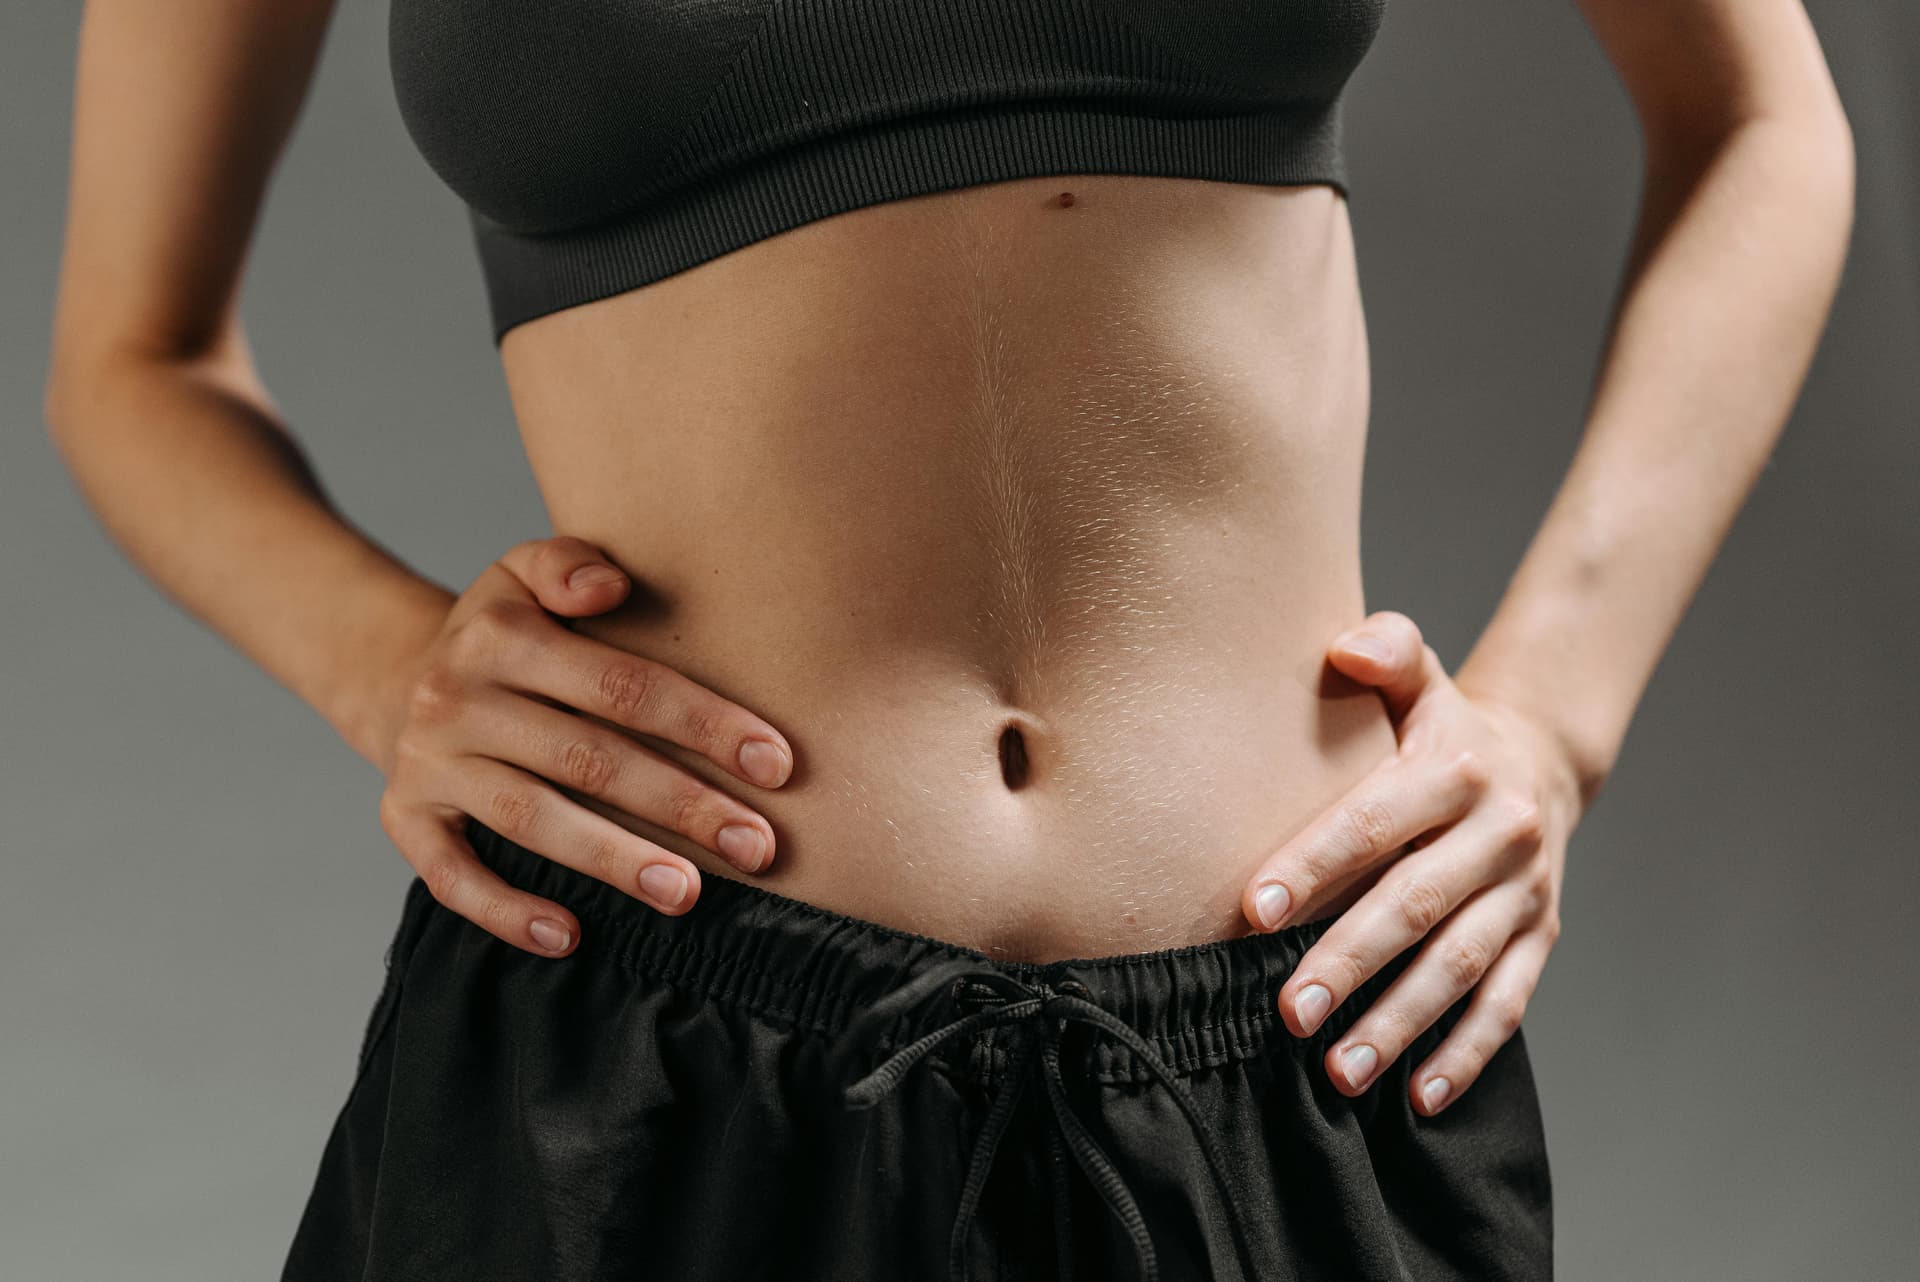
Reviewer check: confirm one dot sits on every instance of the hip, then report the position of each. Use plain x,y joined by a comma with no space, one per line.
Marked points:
764,1088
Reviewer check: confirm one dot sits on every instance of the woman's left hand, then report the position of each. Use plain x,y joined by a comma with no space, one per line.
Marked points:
1488,797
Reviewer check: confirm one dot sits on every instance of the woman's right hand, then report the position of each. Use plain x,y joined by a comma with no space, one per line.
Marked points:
488,721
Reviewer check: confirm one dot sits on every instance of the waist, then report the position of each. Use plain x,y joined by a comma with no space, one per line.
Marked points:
1106,797
856,981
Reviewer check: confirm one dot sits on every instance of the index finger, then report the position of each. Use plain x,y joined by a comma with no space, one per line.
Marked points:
1389,807
638,693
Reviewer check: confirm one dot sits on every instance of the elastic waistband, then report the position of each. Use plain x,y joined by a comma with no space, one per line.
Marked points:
742,945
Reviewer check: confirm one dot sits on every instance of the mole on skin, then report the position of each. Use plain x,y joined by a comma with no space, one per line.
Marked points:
1065,200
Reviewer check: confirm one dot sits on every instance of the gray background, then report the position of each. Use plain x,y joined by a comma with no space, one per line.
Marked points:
198,891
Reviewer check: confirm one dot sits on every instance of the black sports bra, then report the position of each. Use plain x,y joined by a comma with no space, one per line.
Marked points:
600,145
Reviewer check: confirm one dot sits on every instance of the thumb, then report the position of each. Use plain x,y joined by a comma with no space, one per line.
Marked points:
1386,650
568,575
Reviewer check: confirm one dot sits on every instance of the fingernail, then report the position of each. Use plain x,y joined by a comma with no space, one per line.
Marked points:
588,576
1358,1064
550,935
743,844
1272,902
765,764
1366,645
1434,1093
664,884
1313,1004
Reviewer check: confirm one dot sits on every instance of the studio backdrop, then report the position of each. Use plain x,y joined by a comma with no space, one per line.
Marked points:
197,889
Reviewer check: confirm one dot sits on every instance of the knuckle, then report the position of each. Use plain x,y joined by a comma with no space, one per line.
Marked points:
605,861
1465,960
1316,867
494,616
479,641
508,620
1522,821
1370,823
534,555
1471,770
468,645
511,812
443,877
1346,968
1402,1025
588,766
436,694
703,725
1507,1011
410,753
1471,1051
1552,927
685,805
389,814
496,913
1539,890
1420,903
629,688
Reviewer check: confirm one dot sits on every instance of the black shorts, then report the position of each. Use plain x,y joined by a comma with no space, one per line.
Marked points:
761,1089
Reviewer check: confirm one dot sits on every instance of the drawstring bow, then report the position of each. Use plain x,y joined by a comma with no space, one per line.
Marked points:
1039,1013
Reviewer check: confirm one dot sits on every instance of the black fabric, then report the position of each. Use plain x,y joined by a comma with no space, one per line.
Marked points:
600,146
761,1089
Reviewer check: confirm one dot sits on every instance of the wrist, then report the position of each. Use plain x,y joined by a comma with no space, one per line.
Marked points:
368,703
1577,757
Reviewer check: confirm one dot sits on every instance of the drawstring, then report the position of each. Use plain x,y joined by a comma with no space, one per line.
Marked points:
1069,1001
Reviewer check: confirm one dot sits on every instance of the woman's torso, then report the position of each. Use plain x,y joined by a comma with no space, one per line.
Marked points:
900,477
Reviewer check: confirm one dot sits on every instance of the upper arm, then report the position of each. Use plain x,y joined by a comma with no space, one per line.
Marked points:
1698,68
180,111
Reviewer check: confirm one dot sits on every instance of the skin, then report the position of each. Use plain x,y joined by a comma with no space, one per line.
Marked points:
1090,467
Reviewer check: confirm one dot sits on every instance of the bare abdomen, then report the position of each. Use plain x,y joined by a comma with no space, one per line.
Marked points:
1029,534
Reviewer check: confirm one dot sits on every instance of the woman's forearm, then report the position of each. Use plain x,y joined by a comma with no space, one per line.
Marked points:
195,478
1734,263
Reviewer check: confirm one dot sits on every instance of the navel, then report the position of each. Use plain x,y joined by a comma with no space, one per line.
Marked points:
1015,768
